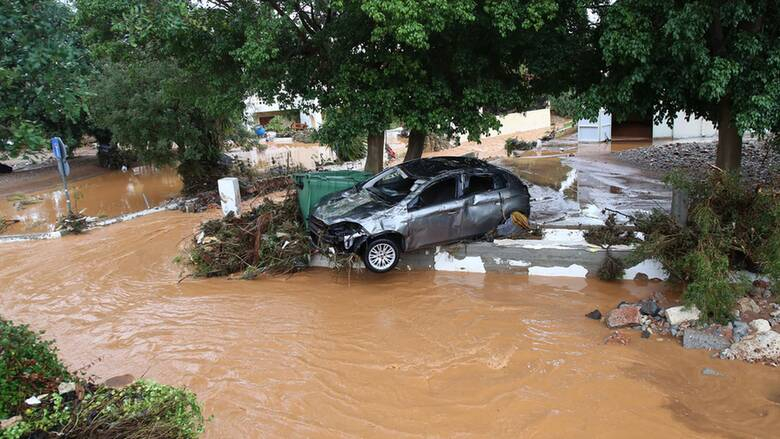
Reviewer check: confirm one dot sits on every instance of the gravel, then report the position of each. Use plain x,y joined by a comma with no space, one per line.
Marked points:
760,164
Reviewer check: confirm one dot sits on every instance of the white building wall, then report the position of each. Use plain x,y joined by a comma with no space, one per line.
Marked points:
684,129
253,105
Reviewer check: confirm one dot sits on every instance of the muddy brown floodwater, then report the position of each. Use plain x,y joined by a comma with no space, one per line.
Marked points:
109,194
408,354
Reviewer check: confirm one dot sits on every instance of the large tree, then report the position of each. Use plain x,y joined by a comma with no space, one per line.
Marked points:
711,58
43,73
436,66
169,86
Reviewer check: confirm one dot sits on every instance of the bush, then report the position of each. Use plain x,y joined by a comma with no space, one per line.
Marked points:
730,227
280,125
28,366
515,144
565,104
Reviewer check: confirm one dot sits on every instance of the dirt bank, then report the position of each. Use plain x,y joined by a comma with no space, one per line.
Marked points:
398,355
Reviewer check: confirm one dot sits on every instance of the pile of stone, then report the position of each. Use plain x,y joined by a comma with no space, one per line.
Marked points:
759,161
752,336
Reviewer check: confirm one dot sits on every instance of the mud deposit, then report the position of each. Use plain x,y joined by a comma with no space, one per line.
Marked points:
409,354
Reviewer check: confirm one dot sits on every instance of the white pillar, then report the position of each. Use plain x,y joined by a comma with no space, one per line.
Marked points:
230,195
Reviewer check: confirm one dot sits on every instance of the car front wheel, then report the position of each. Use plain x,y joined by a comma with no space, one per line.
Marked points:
381,255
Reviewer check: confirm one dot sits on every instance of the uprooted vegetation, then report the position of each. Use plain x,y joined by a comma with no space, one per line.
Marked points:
49,401
609,235
730,227
271,238
514,144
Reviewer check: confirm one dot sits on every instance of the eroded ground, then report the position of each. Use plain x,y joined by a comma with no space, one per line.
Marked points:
399,355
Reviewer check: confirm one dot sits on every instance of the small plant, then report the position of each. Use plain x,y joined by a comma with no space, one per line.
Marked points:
514,144
605,237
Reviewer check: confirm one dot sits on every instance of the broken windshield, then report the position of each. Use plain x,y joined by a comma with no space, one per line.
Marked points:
393,186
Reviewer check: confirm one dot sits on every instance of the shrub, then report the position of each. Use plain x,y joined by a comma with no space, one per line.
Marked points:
280,125
730,227
28,366
515,144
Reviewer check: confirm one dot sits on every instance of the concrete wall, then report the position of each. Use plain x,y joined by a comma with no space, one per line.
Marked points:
561,253
520,122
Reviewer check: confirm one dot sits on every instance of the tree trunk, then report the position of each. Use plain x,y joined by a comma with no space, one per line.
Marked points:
416,145
729,140
376,152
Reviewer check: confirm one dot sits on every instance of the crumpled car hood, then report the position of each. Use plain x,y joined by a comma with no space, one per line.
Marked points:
350,205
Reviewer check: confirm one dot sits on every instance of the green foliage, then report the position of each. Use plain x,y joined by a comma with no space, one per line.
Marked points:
43,71
706,57
28,366
279,124
565,104
446,67
730,227
514,144
168,86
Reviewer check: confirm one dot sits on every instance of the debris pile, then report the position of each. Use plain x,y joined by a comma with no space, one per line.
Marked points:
72,223
271,238
750,336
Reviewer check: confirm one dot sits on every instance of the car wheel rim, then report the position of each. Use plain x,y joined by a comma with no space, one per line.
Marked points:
381,256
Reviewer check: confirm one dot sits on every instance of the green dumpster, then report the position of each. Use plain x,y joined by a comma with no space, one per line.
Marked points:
312,186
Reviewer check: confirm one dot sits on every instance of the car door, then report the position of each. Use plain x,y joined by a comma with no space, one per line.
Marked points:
483,205
435,215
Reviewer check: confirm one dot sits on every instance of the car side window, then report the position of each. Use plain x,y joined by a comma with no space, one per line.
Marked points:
500,181
476,184
439,193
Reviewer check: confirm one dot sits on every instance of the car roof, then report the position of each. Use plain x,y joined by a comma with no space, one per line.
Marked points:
431,167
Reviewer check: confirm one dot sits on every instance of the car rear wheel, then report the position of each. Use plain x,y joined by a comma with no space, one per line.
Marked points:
381,255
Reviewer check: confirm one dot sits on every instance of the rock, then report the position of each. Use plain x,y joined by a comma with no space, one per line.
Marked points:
762,346
646,333
627,315
119,381
741,329
10,422
696,339
32,401
710,372
775,313
760,325
746,304
595,315
680,314
64,388
650,307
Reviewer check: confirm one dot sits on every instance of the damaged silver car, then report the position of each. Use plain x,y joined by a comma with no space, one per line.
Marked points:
419,203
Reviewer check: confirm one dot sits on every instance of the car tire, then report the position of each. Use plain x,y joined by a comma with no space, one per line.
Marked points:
381,255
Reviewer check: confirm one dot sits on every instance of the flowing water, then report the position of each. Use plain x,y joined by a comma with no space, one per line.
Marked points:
407,354
109,194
